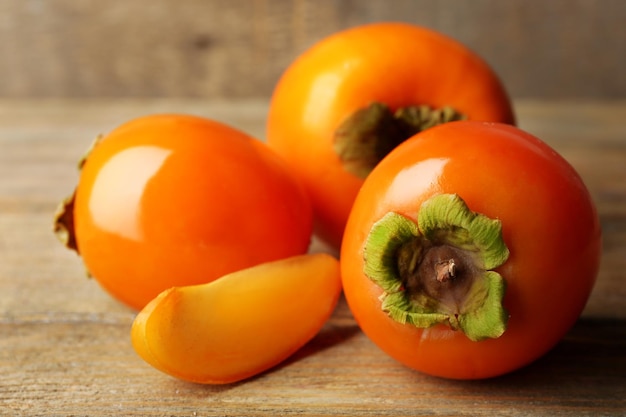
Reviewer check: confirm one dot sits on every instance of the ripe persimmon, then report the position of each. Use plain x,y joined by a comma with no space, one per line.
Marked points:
171,200
470,250
343,104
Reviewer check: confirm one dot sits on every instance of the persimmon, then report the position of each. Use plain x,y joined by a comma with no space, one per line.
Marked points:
343,104
168,200
470,250
241,324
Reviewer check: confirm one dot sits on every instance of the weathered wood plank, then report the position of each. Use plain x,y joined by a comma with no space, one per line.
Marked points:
84,365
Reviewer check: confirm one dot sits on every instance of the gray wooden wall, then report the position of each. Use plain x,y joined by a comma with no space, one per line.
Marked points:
238,48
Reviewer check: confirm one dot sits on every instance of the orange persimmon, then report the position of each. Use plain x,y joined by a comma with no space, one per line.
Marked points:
171,199
241,324
470,251
346,102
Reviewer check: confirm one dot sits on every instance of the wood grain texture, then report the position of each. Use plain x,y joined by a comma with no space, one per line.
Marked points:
239,48
65,346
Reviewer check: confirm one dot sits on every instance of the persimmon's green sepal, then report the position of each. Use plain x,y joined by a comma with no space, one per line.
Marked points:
401,309
442,214
385,239
365,137
397,246
424,117
489,318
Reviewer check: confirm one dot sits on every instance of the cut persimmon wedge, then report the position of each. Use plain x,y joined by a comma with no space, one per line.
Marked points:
241,324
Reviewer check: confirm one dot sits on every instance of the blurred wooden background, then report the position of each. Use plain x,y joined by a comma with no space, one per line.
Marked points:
238,48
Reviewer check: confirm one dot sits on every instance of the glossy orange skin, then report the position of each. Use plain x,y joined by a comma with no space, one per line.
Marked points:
170,200
240,325
393,63
549,224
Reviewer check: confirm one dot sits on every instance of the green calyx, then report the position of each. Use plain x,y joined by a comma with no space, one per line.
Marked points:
370,133
439,270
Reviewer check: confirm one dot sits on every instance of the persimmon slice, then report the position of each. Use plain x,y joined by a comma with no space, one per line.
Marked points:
241,324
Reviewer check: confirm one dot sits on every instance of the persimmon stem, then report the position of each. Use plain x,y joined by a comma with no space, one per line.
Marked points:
446,270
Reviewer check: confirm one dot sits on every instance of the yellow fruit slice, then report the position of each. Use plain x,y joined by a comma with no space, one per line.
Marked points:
241,324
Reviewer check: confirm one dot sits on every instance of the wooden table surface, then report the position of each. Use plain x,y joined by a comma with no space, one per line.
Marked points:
65,347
